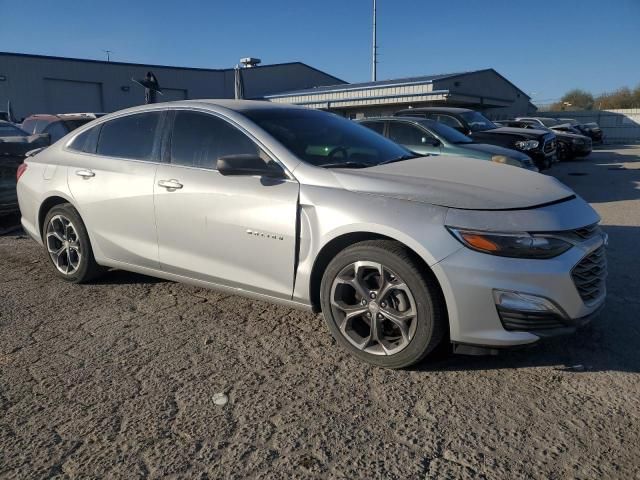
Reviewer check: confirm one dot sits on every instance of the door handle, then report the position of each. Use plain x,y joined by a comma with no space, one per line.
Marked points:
85,173
172,184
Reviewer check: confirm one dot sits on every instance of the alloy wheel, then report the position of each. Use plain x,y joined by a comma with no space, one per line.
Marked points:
374,308
63,244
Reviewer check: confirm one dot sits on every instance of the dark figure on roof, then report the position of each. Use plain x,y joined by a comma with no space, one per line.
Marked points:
151,87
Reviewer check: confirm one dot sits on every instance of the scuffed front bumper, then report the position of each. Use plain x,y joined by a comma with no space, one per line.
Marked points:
470,279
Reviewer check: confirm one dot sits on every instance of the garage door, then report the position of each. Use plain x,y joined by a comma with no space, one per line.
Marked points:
172,94
70,96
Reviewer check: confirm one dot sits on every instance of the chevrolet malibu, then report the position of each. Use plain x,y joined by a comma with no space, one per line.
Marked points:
310,210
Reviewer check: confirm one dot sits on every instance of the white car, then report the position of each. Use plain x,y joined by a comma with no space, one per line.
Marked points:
308,209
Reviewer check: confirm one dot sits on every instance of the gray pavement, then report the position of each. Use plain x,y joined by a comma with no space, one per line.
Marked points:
118,380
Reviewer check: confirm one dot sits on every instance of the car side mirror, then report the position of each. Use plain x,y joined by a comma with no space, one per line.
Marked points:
248,165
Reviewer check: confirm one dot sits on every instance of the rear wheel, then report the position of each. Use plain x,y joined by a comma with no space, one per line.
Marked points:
380,306
68,247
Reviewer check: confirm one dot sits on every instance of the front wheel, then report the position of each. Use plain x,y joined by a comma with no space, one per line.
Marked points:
380,306
68,247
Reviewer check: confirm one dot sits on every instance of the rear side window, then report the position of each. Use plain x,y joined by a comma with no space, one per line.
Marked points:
87,141
377,127
131,137
198,140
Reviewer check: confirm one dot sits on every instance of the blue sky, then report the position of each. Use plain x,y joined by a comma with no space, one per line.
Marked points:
545,47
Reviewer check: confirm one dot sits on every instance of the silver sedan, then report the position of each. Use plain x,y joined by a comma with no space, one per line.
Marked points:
308,209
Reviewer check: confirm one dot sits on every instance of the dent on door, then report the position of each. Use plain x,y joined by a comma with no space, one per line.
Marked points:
238,231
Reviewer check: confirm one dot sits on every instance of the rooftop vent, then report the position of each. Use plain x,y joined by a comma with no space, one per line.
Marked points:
249,62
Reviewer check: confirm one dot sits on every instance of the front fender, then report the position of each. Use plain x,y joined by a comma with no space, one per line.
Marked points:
324,218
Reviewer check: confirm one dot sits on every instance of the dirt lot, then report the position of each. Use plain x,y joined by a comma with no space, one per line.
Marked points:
118,379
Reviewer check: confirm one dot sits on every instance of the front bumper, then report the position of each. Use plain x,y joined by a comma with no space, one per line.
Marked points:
469,279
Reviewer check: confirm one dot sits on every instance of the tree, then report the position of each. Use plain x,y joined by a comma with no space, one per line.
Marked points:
575,99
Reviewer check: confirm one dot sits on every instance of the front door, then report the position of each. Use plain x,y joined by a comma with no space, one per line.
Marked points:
111,170
238,231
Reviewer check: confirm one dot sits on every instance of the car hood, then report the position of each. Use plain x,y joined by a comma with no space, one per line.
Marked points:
494,150
456,182
525,132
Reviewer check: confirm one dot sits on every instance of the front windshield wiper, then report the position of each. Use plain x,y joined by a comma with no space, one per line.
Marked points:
400,159
347,164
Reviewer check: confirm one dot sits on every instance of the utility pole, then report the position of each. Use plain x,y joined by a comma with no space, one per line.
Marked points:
374,60
108,52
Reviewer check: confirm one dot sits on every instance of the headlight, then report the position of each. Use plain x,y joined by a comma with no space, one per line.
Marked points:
506,160
516,245
527,144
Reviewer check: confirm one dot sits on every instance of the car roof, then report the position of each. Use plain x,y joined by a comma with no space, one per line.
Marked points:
437,109
239,106
399,118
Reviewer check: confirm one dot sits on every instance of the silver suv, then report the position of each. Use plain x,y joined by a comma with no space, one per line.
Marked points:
308,209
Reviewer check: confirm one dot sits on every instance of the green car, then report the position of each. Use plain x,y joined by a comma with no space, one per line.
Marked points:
428,137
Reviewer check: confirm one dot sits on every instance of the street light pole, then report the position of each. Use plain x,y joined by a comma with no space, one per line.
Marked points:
374,60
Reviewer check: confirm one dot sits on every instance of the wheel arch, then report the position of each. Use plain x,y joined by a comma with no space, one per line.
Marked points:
339,243
46,205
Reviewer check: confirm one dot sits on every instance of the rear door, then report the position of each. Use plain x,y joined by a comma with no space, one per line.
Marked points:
111,174
238,231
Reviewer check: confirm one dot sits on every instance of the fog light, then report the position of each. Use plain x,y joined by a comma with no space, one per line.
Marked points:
523,302
525,312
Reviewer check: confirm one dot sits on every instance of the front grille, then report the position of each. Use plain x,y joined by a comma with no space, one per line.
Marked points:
590,275
529,321
587,232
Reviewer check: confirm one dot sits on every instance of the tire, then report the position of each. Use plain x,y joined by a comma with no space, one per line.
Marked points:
63,224
421,301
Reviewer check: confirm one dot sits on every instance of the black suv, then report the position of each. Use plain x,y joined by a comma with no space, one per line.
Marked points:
569,145
538,144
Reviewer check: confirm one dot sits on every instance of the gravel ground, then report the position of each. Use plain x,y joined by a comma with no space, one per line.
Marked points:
119,379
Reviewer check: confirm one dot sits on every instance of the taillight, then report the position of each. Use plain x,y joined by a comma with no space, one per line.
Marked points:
21,169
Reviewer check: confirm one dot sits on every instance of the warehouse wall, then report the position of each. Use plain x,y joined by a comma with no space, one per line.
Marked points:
38,84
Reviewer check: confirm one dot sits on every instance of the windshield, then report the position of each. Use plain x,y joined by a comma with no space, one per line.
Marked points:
327,140
549,122
8,130
451,135
477,122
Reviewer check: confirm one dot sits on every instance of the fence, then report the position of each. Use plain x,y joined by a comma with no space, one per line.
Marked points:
618,126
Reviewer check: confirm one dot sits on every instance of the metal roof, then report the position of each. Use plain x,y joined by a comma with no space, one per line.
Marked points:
149,65
396,82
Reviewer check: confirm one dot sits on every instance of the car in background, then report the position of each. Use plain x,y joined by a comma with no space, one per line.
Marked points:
540,145
15,142
308,209
570,145
590,129
428,137
57,126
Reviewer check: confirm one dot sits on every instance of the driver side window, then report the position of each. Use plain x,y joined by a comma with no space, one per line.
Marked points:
199,140
406,134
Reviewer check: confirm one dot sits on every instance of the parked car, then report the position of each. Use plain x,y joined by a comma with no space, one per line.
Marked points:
309,209
569,145
538,144
554,124
428,137
590,129
57,126
16,142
